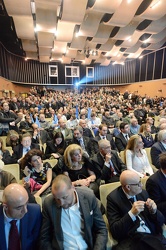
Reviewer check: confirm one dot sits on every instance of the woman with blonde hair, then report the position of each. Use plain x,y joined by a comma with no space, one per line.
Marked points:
77,167
145,133
136,157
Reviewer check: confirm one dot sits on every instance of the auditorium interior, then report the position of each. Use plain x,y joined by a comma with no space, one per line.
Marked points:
88,43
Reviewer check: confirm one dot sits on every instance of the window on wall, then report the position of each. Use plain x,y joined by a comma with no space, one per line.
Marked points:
53,71
90,72
72,71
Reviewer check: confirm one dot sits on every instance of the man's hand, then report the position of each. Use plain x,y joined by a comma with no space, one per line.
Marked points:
138,206
151,205
108,157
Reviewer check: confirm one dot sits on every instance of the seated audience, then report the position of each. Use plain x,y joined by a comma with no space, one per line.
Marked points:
12,139
156,185
158,148
134,220
72,122
145,133
83,141
94,123
134,126
55,148
107,119
39,174
86,131
39,135
20,221
77,167
67,133
150,121
122,138
103,134
136,157
6,178
106,163
26,125
72,218
5,154
21,149
8,119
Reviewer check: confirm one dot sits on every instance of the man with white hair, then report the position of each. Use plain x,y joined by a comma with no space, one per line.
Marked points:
158,148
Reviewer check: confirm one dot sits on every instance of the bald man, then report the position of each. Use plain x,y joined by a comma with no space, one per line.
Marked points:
28,218
72,219
133,218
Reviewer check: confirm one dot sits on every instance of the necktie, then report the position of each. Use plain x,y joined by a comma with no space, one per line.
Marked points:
104,137
112,169
126,137
131,200
14,238
81,143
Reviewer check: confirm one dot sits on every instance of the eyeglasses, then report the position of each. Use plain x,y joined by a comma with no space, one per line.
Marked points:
139,184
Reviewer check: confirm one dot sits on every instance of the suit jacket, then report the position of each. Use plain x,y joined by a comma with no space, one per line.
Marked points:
97,138
87,144
44,137
121,142
121,224
29,228
68,133
18,151
155,151
51,148
156,188
6,179
95,232
102,171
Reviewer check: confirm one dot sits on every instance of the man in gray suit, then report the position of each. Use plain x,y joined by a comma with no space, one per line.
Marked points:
72,218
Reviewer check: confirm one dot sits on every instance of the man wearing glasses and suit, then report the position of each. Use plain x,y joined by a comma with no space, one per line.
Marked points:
133,218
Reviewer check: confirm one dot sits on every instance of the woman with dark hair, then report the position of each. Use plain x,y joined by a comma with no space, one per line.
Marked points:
77,167
5,154
56,147
38,174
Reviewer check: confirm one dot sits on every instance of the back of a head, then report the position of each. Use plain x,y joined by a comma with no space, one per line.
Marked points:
60,180
131,144
103,143
162,135
14,192
127,177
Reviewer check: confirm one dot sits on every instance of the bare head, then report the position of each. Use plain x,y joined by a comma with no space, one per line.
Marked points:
63,191
15,200
130,182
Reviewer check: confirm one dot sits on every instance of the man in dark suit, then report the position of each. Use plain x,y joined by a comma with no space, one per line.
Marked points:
40,135
86,131
72,218
133,218
81,140
106,163
158,148
156,185
103,130
122,138
28,219
21,149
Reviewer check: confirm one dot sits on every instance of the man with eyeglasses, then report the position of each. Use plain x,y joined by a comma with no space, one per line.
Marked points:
133,217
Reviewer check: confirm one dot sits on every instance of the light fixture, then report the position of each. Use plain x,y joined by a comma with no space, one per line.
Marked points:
88,52
155,4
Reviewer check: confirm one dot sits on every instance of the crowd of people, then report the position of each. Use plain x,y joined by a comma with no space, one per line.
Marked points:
97,136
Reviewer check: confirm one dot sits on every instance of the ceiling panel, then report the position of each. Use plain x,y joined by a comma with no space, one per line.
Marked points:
83,30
